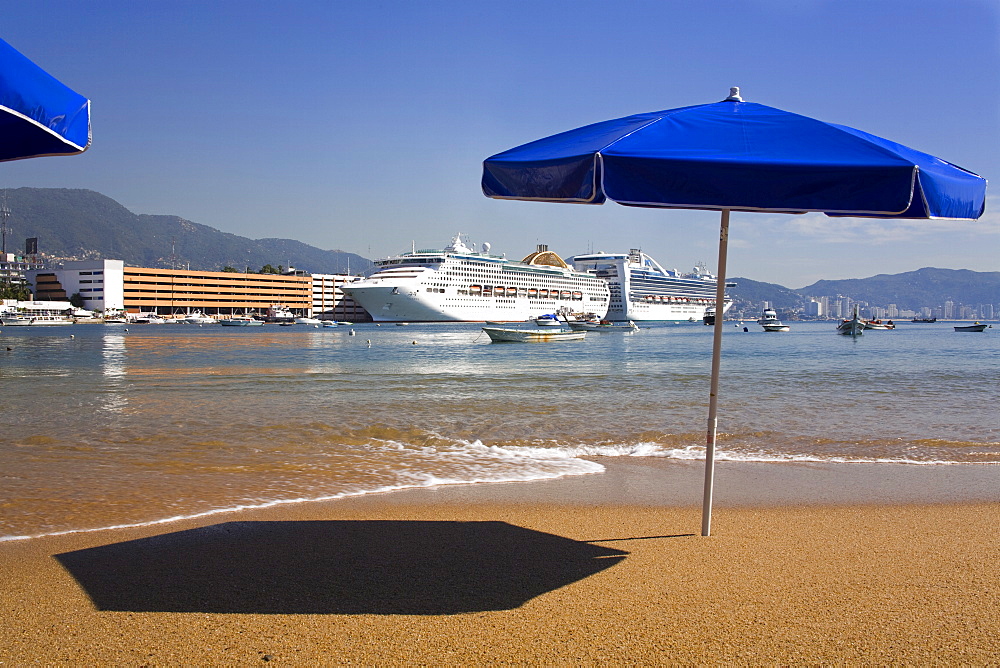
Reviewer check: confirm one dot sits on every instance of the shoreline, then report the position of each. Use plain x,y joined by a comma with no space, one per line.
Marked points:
580,570
652,481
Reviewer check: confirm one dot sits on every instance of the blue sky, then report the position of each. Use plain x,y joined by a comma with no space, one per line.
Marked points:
362,126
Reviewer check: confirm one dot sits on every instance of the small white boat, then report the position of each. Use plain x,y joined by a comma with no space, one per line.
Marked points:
147,319
548,320
330,323
878,324
197,318
769,321
507,335
976,327
241,321
308,321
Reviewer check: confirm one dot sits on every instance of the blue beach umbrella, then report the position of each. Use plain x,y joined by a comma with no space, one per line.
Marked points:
734,156
39,116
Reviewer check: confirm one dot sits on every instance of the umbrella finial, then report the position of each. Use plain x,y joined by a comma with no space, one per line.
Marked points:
734,95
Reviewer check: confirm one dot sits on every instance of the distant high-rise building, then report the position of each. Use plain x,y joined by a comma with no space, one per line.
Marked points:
814,309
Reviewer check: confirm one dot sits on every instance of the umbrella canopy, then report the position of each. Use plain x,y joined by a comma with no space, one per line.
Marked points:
39,116
734,156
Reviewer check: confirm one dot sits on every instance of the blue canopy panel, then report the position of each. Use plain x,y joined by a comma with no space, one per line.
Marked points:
739,156
39,116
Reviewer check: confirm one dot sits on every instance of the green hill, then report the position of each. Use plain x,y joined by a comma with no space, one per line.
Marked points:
83,224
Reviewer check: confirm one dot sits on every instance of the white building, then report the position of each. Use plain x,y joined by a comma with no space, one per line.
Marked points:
100,283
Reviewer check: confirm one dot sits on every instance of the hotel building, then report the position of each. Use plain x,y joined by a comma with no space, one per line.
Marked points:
109,285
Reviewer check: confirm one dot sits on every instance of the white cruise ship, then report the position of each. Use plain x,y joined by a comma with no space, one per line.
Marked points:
459,284
643,290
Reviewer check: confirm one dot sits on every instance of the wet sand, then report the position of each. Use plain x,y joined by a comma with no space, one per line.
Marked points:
898,566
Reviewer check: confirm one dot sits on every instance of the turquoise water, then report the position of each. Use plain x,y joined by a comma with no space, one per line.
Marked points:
103,427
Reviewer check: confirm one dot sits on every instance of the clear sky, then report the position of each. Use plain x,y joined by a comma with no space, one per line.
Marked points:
362,126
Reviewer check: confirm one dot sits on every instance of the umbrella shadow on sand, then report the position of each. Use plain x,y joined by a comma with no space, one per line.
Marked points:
335,567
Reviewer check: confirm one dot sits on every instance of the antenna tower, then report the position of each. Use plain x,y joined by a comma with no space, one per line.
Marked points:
4,216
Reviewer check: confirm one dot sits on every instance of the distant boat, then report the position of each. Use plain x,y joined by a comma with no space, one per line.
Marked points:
197,318
505,335
976,327
241,321
924,320
878,324
34,320
769,321
602,326
853,327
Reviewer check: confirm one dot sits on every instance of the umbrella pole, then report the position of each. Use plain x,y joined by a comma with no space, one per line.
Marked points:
713,400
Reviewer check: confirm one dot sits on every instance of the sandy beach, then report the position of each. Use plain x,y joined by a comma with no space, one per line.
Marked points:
529,574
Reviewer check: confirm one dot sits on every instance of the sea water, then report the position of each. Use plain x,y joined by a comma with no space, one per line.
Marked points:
103,425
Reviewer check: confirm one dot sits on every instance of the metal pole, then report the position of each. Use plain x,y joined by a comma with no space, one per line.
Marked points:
713,399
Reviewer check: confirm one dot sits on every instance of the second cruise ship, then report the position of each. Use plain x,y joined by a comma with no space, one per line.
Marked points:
459,284
642,290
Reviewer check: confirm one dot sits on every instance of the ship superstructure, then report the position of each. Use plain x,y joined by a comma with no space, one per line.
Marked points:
641,289
457,283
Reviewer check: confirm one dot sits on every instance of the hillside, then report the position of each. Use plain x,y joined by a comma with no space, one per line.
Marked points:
83,224
913,289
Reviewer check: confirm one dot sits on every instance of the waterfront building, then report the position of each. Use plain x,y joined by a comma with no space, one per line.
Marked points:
814,309
330,302
109,285
14,267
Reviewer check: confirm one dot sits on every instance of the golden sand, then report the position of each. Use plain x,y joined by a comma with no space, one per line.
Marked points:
381,583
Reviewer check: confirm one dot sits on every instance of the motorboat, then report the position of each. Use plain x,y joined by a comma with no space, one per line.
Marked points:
878,324
241,321
511,335
548,320
975,327
147,319
769,321
308,321
330,323
197,318
853,327
602,326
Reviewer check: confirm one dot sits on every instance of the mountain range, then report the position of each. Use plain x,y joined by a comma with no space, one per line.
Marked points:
86,225
83,224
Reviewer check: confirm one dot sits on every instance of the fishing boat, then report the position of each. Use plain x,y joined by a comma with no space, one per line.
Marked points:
878,324
536,335
975,327
769,321
853,327
241,321
924,320
643,290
